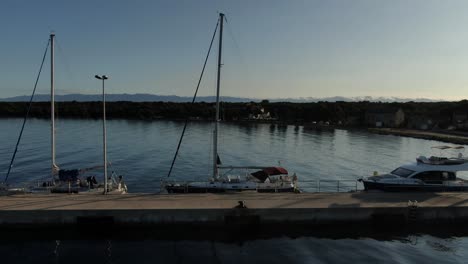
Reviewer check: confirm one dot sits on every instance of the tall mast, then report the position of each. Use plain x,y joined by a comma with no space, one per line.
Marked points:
104,133
52,102
215,136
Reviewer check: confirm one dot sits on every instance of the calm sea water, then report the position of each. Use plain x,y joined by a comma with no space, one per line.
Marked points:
142,152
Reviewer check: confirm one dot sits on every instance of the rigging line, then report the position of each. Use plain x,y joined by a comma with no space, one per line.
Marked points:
66,65
27,113
244,66
193,100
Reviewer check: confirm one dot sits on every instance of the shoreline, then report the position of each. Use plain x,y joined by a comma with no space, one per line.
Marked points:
454,137
307,125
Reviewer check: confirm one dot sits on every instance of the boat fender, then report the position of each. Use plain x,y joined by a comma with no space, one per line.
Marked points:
124,188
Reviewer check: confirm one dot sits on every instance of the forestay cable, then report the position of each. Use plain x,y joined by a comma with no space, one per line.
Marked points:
193,100
27,113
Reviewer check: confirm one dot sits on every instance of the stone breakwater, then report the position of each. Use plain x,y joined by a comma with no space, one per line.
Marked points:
439,136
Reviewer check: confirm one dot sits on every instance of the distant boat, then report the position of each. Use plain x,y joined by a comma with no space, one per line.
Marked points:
265,179
74,180
433,174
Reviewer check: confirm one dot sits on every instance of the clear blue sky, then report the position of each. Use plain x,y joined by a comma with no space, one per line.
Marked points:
273,49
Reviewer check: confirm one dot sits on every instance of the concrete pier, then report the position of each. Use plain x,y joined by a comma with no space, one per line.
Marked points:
194,212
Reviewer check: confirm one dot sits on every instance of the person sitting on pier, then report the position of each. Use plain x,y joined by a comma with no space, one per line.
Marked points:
91,180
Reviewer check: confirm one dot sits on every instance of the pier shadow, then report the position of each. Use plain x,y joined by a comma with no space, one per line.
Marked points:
393,197
447,199
338,205
294,203
68,200
25,204
93,201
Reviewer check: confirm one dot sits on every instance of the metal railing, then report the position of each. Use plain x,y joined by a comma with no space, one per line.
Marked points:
184,186
306,186
332,186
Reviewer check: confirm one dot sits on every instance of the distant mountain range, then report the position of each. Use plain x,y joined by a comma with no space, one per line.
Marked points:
175,98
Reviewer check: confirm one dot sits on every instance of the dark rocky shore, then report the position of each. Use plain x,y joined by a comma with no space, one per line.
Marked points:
442,135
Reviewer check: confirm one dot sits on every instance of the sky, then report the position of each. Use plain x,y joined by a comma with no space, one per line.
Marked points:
271,48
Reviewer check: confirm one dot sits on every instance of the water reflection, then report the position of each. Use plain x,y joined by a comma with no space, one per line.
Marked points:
411,249
297,128
247,128
109,251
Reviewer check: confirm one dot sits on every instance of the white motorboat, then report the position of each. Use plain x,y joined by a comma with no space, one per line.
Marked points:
433,174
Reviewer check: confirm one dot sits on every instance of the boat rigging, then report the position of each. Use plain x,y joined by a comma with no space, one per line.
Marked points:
267,179
66,181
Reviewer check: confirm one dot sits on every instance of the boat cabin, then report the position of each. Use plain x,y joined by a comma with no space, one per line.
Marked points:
426,174
435,177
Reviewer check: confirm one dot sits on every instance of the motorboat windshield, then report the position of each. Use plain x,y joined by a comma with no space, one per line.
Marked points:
402,172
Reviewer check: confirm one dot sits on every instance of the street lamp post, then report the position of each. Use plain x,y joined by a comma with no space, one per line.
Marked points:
104,139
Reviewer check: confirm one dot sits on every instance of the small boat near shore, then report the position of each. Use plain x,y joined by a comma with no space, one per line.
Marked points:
433,174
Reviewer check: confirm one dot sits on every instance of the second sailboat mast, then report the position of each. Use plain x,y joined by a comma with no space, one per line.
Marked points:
215,136
52,102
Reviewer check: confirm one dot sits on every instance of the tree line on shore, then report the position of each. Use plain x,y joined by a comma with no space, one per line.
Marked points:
293,113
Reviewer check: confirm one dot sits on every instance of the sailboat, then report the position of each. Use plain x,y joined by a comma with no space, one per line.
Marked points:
265,179
74,180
